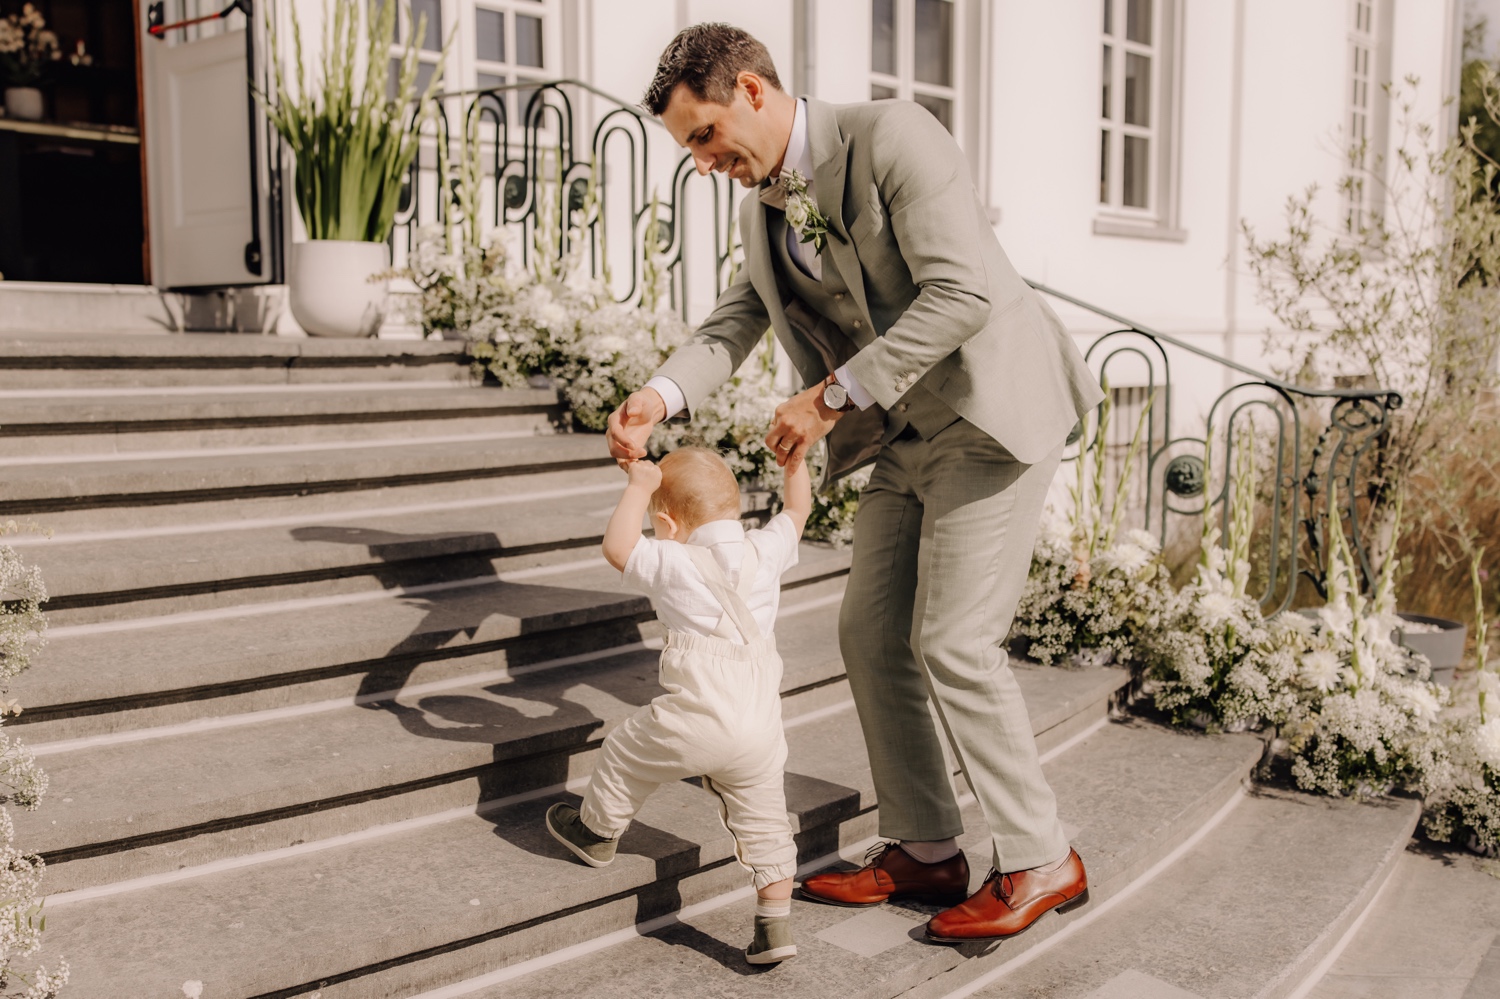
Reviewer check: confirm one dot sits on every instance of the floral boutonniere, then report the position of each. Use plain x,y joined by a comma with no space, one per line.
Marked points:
810,225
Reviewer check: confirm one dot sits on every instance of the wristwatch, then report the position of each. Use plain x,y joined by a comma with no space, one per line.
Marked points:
836,397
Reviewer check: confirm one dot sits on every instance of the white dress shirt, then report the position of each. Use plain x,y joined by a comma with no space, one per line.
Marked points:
663,571
798,156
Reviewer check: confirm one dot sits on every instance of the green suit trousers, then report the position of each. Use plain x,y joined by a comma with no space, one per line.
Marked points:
942,548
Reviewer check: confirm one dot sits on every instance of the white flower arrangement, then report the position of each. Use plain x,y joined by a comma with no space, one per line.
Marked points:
1364,718
802,214
1216,662
27,48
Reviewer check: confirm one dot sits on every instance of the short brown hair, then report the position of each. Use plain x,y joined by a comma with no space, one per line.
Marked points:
696,487
709,58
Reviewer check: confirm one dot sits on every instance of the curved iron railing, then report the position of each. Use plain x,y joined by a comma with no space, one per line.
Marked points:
1312,438
1308,437
547,149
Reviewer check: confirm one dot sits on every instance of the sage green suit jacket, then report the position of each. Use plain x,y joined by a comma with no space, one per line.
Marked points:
941,304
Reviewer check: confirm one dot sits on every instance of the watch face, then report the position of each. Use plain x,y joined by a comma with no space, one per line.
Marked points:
835,396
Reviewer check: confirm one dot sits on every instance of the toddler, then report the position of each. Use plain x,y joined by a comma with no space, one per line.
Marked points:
716,587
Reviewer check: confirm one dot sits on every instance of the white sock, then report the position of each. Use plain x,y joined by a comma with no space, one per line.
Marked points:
773,907
932,851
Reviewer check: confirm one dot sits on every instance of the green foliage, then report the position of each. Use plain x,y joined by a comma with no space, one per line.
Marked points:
352,144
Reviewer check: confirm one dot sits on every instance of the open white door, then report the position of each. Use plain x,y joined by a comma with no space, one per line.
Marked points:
211,214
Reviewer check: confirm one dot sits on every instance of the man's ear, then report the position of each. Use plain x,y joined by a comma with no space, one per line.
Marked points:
667,527
754,87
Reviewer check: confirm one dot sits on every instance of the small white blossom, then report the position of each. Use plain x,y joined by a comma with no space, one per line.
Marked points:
1321,670
1487,743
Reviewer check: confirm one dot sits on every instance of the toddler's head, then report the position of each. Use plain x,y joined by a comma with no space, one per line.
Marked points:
696,488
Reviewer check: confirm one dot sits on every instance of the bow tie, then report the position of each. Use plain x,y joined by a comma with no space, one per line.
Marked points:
774,195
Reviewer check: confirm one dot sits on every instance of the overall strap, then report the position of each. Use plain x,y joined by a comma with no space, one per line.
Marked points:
737,614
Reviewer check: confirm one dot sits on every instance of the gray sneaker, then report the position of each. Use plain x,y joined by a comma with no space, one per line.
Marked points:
773,940
568,829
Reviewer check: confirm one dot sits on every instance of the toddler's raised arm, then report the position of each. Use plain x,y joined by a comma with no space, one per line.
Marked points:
624,528
798,496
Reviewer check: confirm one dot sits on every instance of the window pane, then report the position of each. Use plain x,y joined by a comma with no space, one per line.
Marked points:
1138,20
1108,76
1137,171
525,109
432,41
1104,166
935,42
941,108
881,93
528,40
883,37
487,80
424,76
1137,89
489,32
1109,17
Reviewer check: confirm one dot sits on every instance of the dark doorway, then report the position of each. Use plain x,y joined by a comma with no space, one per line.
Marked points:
70,183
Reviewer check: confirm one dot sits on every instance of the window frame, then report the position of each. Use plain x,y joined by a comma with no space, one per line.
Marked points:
1366,77
905,83
471,66
1160,217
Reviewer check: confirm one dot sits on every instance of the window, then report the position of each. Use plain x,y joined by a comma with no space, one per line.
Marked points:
512,43
1137,112
1361,93
913,55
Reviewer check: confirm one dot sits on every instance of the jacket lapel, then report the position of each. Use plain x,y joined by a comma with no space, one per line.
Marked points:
758,260
830,156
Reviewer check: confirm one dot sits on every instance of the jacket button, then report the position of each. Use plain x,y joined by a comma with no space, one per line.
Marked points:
858,324
904,406
838,296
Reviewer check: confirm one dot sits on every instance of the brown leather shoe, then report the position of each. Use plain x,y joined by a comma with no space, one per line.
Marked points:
1008,903
891,872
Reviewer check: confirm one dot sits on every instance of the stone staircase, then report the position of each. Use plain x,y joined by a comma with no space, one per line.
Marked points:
330,630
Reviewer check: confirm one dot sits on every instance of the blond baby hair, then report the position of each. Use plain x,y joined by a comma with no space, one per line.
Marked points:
696,487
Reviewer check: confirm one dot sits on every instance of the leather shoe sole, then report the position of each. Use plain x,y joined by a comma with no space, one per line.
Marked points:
1072,903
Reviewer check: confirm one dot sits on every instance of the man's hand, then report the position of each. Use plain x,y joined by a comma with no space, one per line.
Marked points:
630,426
800,423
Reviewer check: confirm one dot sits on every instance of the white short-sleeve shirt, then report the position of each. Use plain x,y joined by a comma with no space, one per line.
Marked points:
663,571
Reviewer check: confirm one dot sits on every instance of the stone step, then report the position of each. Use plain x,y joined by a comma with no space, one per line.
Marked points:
34,490
315,757
53,429
1435,931
410,907
228,512
94,580
147,673
1247,913
115,361
273,779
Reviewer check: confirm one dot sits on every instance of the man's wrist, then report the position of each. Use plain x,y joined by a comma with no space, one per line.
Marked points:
659,406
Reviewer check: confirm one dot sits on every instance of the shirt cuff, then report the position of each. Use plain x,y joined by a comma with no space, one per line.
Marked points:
845,377
670,394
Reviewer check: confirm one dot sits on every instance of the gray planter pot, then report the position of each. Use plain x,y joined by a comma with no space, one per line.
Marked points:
1444,649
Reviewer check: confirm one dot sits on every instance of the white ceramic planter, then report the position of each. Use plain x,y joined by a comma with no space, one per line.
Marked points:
331,290
24,103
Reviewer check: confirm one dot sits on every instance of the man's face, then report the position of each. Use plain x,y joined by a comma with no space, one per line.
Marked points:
735,138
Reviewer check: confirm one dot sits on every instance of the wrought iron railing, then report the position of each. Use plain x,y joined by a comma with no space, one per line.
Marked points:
1306,438
1310,438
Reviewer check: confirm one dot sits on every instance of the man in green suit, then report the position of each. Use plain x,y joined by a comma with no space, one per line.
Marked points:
921,349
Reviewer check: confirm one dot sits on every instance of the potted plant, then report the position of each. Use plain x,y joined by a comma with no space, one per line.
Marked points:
353,146
27,52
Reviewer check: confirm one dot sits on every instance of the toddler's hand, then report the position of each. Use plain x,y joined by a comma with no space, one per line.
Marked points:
644,473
